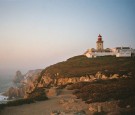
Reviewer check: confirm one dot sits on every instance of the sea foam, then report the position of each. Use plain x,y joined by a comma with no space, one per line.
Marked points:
3,99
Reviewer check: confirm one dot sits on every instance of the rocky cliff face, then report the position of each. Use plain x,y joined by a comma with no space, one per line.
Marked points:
78,69
23,83
47,81
18,77
30,82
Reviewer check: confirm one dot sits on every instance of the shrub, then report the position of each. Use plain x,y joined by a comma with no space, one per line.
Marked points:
81,66
128,101
105,90
38,95
128,112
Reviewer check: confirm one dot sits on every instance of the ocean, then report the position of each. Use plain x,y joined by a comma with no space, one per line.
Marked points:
5,83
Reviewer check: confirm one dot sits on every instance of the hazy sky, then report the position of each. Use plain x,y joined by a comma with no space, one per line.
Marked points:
37,33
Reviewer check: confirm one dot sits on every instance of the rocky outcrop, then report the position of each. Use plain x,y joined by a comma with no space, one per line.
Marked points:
47,81
30,82
52,92
23,83
14,92
38,94
31,76
18,77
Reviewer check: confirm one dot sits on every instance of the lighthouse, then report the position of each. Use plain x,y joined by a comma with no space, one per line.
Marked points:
99,43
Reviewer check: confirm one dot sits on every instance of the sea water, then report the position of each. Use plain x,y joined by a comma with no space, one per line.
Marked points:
3,99
5,83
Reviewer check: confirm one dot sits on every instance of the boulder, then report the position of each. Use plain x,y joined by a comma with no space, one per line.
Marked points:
98,75
104,77
115,76
92,77
14,92
46,80
52,92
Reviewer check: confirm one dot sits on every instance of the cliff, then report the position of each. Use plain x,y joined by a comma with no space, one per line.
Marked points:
105,84
83,69
74,70
22,83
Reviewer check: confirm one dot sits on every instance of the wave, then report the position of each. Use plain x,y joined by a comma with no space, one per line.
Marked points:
5,84
3,99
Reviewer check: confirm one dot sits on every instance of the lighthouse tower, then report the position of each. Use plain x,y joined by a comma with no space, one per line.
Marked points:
99,43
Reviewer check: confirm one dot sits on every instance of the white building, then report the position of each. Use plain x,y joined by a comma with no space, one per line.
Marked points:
118,51
124,51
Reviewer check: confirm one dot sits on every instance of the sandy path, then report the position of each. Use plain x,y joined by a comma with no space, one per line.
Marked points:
44,107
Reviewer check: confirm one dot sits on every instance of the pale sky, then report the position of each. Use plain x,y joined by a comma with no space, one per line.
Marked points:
37,33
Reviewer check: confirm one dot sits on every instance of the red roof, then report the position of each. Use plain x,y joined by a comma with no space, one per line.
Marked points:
99,35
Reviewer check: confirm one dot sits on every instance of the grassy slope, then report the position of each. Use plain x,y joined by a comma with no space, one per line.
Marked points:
101,91
108,90
81,66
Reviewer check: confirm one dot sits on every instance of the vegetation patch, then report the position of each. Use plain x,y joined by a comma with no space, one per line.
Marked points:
100,91
127,102
38,95
81,66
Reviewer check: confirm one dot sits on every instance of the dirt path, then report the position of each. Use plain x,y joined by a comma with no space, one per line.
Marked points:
64,102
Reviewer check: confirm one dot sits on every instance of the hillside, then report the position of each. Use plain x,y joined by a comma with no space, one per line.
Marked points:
104,81
81,66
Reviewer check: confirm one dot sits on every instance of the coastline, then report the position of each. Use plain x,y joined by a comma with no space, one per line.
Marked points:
64,102
3,99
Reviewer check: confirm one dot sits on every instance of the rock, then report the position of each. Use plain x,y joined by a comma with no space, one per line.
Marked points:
92,109
115,76
98,75
128,106
18,77
104,77
14,92
23,84
92,77
125,76
31,76
55,113
82,78
46,80
53,92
